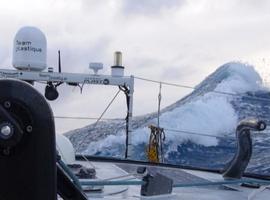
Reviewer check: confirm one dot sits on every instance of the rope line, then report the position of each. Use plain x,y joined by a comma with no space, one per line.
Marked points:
198,133
193,88
155,144
164,83
166,129
95,124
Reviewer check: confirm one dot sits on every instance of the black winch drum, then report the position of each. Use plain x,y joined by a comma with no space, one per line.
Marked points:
28,155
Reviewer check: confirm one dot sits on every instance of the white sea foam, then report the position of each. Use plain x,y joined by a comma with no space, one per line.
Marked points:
241,78
210,114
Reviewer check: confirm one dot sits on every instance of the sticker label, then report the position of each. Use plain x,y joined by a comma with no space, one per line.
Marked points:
26,46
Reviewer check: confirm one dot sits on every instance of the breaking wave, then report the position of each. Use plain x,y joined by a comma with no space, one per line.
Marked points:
204,111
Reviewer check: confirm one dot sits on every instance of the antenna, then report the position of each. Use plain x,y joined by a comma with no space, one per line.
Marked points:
95,67
59,61
117,69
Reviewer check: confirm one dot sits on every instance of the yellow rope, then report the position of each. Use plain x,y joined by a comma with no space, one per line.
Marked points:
154,148
152,154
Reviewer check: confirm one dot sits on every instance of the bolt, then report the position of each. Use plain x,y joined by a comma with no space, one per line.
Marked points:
7,104
6,130
29,129
262,126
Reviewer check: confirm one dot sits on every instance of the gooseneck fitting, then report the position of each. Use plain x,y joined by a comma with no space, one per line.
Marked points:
239,163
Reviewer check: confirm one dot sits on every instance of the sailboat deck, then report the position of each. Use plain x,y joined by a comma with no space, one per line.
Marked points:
107,171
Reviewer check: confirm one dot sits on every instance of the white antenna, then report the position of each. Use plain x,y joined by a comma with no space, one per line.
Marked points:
117,70
30,49
95,66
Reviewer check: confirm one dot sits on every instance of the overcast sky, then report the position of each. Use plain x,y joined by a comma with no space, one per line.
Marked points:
179,41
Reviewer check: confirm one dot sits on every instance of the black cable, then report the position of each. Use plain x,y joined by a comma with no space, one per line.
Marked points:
126,91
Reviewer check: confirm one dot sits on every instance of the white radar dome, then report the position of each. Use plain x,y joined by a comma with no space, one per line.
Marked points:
30,49
65,149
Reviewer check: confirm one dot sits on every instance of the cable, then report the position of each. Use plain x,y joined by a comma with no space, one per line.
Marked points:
198,133
126,91
164,83
86,118
95,124
166,129
193,88
159,103
205,134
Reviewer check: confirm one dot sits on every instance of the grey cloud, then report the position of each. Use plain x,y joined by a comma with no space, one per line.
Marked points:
149,7
255,5
80,54
176,73
4,57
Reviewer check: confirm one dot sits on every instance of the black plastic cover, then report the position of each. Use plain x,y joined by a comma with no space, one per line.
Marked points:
157,184
29,171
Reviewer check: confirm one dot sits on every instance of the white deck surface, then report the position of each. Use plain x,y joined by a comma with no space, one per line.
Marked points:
109,170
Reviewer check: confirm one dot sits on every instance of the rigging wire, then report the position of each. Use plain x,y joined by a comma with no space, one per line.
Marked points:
154,150
164,83
198,133
193,88
95,124
167,129
86,118
177,130
159,102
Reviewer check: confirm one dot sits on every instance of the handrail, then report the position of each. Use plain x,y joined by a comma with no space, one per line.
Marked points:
177,185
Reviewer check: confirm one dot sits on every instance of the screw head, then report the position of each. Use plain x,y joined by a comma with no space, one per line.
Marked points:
7,104
6,131
29,128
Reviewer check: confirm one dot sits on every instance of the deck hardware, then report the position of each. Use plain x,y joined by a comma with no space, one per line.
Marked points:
7,104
